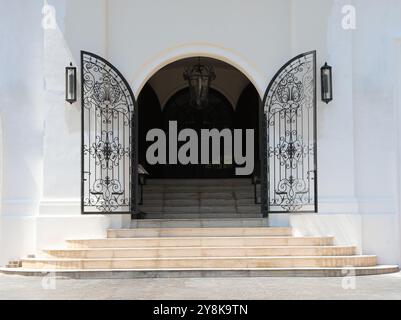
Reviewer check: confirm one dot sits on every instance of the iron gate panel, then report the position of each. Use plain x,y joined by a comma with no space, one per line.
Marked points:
289,134
109,139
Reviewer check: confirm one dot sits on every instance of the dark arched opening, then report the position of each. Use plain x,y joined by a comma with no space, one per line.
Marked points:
150,116
217,114
237,108
247,117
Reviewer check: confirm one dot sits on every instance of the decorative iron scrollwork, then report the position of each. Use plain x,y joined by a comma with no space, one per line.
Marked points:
107,150
108,139
290,129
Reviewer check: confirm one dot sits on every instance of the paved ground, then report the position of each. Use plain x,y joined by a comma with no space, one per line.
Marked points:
366,287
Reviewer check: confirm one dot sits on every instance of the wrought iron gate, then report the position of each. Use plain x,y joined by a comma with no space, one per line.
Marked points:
109,139
289,179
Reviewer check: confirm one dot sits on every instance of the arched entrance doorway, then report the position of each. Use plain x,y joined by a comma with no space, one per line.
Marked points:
109,136
233,104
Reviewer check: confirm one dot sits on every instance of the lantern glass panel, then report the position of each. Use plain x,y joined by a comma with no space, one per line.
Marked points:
326,84
71,84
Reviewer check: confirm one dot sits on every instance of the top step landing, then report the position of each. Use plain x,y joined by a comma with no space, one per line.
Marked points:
200,223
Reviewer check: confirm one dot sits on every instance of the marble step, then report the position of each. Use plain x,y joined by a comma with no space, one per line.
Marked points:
247,241
197,232
174,252
14,264
200,223
202,262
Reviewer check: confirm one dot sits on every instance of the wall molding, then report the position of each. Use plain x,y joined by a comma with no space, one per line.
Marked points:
194,50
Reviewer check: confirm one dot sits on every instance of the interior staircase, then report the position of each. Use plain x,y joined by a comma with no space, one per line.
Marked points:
200,230
199,198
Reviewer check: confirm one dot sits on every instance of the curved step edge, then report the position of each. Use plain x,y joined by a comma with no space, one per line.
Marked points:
203,273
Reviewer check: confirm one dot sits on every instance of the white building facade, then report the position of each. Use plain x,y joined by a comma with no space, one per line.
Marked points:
358,133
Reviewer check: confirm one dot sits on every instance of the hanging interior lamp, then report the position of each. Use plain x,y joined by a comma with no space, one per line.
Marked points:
199,78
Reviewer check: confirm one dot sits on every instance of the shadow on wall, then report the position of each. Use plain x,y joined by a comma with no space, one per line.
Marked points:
346,228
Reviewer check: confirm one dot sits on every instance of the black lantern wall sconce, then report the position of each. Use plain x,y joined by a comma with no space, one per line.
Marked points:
326,83
71,84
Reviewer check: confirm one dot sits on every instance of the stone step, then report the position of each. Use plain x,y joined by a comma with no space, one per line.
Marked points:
211,182
197,232
174,252
200,223
202,262
197,189
200,242
197,195
218,215
204,272
202,209
14,264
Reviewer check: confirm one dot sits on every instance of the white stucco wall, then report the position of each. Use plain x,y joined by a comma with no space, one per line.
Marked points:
81,25
21,84
397,120
358,162
111,29
1,182
40,133
318,24
357,131
374,74
173,31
